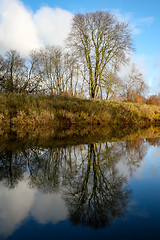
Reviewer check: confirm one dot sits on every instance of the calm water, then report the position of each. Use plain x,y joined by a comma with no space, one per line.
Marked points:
105,190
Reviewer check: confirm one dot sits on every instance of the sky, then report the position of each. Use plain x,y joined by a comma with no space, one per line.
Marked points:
26,25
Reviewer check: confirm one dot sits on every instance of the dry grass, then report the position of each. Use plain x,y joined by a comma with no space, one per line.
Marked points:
30,112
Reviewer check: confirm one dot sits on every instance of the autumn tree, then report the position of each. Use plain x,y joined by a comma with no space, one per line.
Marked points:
153,100
99,39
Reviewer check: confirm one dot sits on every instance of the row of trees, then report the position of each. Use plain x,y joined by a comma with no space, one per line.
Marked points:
46,70
97,46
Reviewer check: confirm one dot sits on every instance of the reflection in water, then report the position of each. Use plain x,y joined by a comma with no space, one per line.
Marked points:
88,182
95,193
15,205
12,166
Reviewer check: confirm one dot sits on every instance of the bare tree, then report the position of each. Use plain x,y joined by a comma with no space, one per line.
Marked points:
14,72
99,39
55,68
49,65
35,82
134,84
19,74
111,82
70,73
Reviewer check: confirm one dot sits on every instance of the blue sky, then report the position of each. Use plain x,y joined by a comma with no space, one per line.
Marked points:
143,15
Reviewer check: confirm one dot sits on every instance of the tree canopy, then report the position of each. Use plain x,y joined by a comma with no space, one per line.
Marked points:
99,40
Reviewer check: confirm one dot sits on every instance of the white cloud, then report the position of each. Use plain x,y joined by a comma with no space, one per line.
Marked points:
24,30
156,64
122,17
136,25
139,24
17,28
153,74
145,21
140,62
53,25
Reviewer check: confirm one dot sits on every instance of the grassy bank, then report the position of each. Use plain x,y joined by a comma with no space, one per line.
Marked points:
21,112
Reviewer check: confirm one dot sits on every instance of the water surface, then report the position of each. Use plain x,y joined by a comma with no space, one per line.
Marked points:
108,190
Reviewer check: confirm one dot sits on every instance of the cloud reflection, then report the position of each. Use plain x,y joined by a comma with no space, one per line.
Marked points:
49,208
19,203
15,205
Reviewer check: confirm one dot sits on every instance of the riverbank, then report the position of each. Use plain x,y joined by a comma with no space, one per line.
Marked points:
26,113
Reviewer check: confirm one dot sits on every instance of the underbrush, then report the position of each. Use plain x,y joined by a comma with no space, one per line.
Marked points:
20,111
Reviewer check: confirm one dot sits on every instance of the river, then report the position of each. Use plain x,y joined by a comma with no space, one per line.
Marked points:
96,190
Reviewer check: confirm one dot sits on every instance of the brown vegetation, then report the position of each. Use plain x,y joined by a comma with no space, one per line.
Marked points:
21,112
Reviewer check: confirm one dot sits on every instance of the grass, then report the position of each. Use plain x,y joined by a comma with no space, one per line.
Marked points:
25,113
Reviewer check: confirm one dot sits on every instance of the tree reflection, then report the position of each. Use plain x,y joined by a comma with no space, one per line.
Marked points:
154,141
133,152
45,170
96,194
12,167
93,178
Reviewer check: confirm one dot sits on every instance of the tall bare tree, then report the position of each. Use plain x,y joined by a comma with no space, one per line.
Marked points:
99,39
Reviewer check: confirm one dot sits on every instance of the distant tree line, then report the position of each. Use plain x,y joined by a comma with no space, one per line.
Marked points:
97,46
